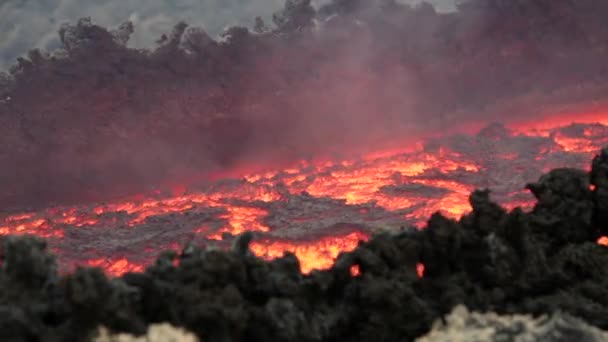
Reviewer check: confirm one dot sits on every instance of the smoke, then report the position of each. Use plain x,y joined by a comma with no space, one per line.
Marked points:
34,23
97,117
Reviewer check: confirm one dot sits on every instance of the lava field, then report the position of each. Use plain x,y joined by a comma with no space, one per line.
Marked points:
318,210
544,261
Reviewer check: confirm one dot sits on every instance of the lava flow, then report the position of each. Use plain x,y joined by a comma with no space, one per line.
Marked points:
316,211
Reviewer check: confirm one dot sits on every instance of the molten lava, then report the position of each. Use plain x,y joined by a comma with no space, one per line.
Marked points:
116,267
355,271
314,254
317,210
420,270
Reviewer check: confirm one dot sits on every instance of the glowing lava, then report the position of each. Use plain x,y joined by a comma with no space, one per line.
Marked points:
355,271
420,270
116,267
314,254
242,219
299,209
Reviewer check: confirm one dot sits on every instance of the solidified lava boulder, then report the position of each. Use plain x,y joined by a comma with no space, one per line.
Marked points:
565,202
491,260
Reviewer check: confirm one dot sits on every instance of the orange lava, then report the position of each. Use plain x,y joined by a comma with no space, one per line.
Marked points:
603,241
317,254
420,270
116,267
29,224
561,119
361,183
245,204
355,271
142,210
241,219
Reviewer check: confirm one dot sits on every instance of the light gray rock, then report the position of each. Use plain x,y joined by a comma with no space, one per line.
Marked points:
462,325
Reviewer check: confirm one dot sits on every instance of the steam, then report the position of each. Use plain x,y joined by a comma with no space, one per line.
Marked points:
96,117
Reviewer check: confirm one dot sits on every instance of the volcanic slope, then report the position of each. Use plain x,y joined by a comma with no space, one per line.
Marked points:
489,260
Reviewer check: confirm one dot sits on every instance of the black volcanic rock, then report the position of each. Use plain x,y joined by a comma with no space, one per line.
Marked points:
599,179
564,201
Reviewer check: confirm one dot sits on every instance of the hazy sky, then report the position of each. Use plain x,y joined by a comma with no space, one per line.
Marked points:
25,24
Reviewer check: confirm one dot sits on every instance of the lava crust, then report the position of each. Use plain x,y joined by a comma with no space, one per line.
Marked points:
539,262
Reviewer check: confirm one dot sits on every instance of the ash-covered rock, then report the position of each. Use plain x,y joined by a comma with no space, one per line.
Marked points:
542,262
464,326
156,333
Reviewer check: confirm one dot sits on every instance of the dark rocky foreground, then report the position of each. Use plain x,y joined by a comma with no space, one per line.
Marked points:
511,263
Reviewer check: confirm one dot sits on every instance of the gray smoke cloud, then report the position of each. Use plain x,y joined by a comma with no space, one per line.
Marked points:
27,24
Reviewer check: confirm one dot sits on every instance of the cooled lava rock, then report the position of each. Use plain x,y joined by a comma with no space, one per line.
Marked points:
542,262
599,179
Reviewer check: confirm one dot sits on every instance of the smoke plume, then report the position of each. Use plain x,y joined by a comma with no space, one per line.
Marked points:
97,117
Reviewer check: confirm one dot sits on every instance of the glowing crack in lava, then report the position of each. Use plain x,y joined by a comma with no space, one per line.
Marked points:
317,210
